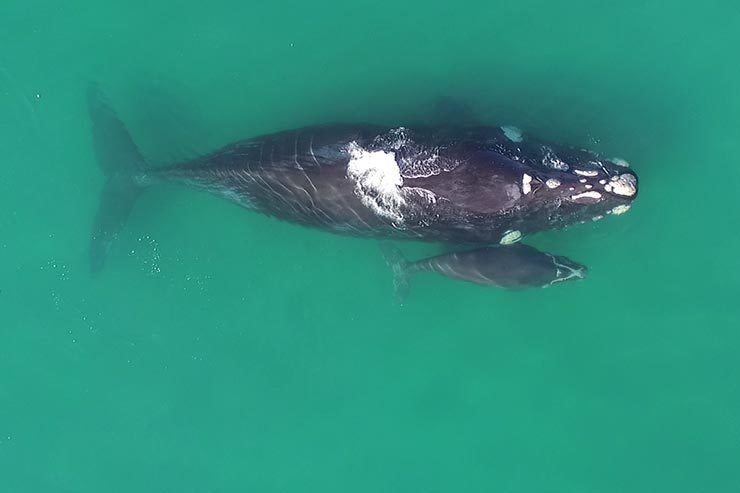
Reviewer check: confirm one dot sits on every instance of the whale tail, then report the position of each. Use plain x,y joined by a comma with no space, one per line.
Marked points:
122,163
400,268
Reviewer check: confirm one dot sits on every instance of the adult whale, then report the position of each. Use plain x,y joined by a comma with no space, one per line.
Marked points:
463,185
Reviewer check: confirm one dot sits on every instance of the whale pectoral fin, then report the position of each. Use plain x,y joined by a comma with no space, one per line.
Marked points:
400,268
450,111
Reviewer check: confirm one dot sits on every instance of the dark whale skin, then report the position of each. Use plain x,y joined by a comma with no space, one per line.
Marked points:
454,184
516,266
465,185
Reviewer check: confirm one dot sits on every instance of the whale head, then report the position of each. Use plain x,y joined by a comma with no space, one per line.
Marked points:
540,187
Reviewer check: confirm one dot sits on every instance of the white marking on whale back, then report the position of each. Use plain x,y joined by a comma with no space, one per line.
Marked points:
512,191
552,183
399,138
526,183
514,134
511,237
425,194
377,180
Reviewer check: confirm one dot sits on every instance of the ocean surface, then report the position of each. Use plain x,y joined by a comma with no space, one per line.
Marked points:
224,351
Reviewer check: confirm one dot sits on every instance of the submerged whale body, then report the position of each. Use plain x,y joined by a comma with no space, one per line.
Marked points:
512,267
465,185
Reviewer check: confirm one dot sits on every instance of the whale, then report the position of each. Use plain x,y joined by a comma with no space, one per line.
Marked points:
455,184
512,267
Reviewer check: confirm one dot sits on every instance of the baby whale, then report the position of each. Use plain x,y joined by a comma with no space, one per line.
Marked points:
513,267
476,185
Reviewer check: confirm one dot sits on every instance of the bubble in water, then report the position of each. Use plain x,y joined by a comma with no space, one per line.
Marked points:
149,253
59,267
55,299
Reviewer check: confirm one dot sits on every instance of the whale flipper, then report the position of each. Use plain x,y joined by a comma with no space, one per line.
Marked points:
400,268
121,161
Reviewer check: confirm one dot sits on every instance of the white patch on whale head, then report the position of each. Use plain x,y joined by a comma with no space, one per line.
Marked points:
526,183
377,180
620,209
511,237
512,133
552,161
586,195
586,172
624,185
552,183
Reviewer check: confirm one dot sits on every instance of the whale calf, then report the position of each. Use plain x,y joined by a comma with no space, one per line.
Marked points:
512,267
461,185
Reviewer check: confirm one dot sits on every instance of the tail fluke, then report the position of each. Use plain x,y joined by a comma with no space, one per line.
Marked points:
400,268
120,160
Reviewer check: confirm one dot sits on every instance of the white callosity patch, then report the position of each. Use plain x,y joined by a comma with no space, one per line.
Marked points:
586,172
552,161
620,209
526,183
510,237
377,180
552,183
512,133
564,272
603,182
586,195
625,185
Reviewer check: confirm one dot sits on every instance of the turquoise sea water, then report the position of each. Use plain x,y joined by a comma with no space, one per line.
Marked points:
222,351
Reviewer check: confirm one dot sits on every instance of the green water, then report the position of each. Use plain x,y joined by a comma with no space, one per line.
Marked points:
223,351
